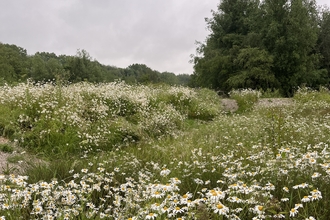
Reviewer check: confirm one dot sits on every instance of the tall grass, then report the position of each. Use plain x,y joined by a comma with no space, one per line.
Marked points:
178,156
245,98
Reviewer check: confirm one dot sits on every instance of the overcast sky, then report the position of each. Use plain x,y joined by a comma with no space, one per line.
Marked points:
158,33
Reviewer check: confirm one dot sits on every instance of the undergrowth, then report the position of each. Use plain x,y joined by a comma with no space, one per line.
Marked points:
166,153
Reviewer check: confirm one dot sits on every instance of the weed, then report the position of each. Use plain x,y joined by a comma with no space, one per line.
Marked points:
6,148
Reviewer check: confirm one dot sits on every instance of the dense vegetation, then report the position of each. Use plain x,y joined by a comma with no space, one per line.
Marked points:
16,66
119,151
271,44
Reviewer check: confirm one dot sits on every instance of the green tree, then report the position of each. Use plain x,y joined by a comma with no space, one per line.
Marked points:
324,40
232,29
254,70
46,66
289,35
13,63
169,78
267,44
82,68
184,79
143,74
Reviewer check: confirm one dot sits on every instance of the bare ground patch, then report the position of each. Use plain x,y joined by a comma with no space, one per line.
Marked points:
15,162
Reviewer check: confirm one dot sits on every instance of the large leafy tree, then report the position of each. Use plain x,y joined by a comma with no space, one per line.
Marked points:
143,74
324,39
13,63
290,34
232,29
45,66
267,44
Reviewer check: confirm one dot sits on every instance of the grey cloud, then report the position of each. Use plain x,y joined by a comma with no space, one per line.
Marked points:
158,33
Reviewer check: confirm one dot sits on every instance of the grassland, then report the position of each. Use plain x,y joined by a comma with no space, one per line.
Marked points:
117,151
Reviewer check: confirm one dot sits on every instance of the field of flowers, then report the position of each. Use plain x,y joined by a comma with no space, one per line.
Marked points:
117,151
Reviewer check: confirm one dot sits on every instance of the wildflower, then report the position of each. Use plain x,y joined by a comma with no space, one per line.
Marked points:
306,199
199,181
237,210
286,189
234,186
259,209
316,195
165,172
5,206
215,195
37,209
157,194
234,199
165,209
156,206
175,180
221,209
310,218
269,186
84,170
184,199
278,216
316,175
101,169
177,210
293,212
151,215
312,161
302,186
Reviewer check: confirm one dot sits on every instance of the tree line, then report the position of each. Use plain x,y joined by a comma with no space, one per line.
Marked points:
17,66
269,44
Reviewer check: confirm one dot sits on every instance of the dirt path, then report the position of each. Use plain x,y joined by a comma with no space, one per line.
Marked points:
4,157
13,162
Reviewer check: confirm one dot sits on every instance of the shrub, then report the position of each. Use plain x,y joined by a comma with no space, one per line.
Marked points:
245,98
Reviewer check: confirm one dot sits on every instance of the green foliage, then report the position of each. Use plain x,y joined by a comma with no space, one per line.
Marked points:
254,70
254,164
15,158
305,95
245,99
6,148
269,93
68,120
324,39
244,51
13,63
16,66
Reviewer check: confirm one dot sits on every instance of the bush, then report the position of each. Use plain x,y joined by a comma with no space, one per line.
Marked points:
245,99
305,94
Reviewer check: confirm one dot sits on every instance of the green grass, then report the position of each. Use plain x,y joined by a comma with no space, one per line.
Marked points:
166,153
6,148
245,99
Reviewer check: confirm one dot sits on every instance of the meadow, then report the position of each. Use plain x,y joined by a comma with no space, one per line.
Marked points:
118,151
